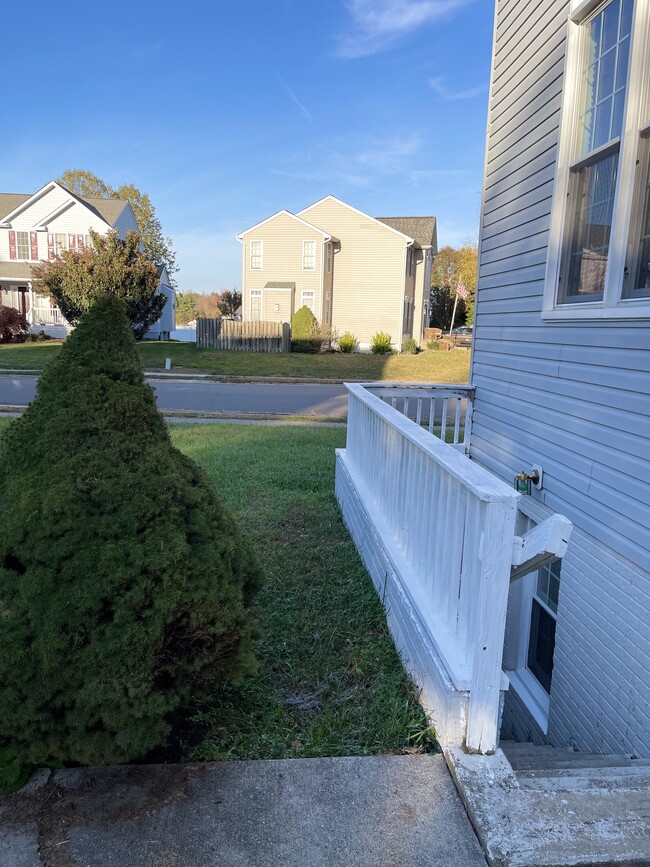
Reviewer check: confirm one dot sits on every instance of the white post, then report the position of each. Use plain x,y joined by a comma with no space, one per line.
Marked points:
453,315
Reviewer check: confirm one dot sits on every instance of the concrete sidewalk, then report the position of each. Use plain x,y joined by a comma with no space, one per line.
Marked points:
384,811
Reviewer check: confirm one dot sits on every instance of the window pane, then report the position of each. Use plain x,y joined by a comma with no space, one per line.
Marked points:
604,76
584,272
641,284
548,584
22,245
541,645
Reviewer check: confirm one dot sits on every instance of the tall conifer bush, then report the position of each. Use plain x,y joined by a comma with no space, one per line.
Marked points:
125,585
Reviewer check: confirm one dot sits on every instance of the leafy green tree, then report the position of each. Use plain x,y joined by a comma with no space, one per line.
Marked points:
158,248
230,302
110,267
451,266
125,585
185,307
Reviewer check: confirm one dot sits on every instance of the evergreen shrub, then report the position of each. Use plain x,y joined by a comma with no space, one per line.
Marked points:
433,345
125,585
409,347
302,325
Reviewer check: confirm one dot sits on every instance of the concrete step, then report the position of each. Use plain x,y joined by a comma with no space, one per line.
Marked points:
531,757
563,817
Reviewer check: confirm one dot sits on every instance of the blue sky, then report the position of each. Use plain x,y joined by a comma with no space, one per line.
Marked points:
227,112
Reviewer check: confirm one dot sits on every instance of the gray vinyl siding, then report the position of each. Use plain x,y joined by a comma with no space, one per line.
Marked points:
571,397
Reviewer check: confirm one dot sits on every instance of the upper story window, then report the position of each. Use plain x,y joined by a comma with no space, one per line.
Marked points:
22,245
328,257
257,255
60,243
599,249
409,261
309,255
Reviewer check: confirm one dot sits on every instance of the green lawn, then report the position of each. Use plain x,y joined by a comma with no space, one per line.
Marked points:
425,367
329,682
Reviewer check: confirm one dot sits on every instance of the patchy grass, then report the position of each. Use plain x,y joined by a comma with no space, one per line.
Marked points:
425,367
329,681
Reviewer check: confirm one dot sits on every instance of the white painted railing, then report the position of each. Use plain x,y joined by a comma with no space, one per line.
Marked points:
448,526
47,316
444,410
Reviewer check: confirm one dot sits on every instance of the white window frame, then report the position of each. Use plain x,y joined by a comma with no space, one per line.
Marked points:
259,256
60,248
255,293
304,294
613,305
311,256
28,257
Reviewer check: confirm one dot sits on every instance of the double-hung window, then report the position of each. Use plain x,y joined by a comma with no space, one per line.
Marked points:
328,257
257,255
309,255
308,299
599,248
22,245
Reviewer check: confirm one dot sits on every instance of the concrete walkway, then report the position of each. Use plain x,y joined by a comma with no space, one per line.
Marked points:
384,811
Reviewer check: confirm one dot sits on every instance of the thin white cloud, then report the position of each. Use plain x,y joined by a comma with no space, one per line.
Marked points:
439,87
378,24
355,163
296,101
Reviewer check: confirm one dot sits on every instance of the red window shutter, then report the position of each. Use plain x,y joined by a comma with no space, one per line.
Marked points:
72,242
50,246
12,244
33,246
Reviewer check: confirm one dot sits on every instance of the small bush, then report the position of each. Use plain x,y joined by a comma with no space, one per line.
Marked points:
320,337
39,337
347,342
13,325
302,323
380,343
410,347
433,345
125,585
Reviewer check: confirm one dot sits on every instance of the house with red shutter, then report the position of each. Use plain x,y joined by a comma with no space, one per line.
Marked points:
39,226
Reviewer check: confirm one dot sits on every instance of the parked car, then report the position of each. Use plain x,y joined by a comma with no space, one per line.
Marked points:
461,336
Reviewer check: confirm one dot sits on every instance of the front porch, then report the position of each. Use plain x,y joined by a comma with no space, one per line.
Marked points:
437,533
41,312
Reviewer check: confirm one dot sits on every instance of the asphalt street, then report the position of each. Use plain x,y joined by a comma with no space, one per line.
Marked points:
208,396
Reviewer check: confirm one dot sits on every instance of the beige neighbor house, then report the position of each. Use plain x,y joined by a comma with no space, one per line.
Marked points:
355,272
40,226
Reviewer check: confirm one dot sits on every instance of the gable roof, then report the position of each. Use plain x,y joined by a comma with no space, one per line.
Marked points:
284,212
108,210
10,201
421,229
332,198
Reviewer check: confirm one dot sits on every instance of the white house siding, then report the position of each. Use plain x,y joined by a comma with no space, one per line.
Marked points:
369,271
572,397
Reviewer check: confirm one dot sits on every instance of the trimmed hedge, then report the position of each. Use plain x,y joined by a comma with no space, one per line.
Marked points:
302,324
125,585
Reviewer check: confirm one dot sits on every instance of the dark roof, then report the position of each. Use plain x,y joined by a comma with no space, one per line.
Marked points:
280,284
10,201
16,271
108,210
421,229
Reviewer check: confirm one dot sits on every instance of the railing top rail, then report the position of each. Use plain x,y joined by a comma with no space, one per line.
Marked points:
475,478
442,386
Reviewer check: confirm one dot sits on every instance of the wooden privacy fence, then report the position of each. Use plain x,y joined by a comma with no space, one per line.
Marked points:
244,336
